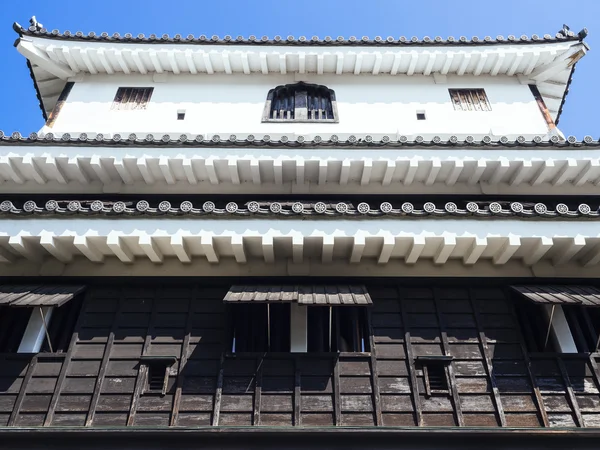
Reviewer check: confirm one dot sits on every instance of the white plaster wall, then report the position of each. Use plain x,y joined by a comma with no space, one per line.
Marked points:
368,104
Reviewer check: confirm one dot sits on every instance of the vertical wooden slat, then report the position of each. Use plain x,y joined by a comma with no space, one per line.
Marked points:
104,364
570,393
374,375
66,362
337,402
142,373
410,362
218,394
258,391
489,367
446,350
539,401
595,371
297,394
183,359
19,401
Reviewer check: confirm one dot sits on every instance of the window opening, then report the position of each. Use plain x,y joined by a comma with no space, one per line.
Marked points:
132,98
300,102
535,327
180,115
13,322
421,115
469,100
61,326
260,328
337,329
584,325
157,373
267,328
435,374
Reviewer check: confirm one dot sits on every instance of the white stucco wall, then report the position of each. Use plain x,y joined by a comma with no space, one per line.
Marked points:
368,104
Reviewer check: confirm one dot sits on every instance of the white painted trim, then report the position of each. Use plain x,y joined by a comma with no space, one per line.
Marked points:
326,171
35,333
386,240
298,328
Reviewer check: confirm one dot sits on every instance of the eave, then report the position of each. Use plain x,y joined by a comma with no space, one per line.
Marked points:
341,164
547,62
376,247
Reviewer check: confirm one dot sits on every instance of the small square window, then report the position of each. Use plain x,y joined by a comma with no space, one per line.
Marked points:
421,115
180,115
435,374
157,373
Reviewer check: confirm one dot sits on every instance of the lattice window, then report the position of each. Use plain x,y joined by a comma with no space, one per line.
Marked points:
131,98
470,100
300,102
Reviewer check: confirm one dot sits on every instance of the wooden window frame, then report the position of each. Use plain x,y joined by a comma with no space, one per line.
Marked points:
427,362
300,114
132,98
159,363
470,100
333,332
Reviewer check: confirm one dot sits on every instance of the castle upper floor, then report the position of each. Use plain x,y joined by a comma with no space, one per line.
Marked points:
431,87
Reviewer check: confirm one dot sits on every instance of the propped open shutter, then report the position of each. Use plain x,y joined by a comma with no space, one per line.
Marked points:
38,295
560,295
329,295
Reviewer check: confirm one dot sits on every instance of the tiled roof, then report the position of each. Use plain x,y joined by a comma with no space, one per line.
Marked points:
250,140
299,209
563,35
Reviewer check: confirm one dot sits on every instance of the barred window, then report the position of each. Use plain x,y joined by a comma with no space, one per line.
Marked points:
470,100
300,102
130,98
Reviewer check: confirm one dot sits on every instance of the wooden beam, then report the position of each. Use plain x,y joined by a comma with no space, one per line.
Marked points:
570,394
257,391
539,401
410,362
142,375
21,396
337,398
374,374
542,107
297,394
489,367
183,357
62,99
65,365
218,394
446,351
104,364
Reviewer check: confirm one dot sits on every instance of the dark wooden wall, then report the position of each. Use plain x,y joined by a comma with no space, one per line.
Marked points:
494,381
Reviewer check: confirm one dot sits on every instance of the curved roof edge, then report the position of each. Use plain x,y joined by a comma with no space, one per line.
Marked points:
189,140
565,34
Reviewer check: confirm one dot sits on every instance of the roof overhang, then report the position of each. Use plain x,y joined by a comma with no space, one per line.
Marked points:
340,168
350,243
56,58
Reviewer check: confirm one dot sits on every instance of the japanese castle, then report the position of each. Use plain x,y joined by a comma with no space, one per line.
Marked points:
296,242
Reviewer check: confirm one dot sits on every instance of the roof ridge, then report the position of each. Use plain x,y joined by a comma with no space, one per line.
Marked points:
38,30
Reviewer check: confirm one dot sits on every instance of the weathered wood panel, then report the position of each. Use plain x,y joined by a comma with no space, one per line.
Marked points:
493,381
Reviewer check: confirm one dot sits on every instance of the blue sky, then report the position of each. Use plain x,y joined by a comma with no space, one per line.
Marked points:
308,17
